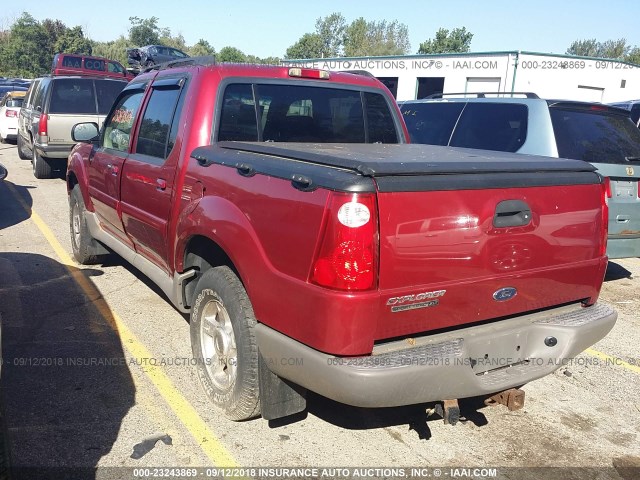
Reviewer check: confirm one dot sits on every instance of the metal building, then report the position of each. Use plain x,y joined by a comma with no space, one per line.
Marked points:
548,75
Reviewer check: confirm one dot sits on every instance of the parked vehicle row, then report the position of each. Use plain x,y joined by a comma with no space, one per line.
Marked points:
602,135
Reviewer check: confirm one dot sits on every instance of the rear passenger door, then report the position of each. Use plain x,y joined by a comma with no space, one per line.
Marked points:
149,174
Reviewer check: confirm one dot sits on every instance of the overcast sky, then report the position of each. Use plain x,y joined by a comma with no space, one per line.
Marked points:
268,28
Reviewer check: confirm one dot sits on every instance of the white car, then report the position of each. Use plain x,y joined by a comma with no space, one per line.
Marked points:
9,111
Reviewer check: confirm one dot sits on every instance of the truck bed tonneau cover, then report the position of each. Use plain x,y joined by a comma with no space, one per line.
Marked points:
379,160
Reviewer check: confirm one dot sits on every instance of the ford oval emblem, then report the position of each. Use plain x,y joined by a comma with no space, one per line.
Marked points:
504,294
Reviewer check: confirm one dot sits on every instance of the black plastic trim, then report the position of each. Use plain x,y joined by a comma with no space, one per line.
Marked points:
482,181
303,176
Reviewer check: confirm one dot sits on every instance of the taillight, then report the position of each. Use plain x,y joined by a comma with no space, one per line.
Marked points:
42,125
607,188
11,113
606,195
348,251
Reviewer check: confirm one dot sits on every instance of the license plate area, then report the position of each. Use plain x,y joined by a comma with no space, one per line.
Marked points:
498,352
624,188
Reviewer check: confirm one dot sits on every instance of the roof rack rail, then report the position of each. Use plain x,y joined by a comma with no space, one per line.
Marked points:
484,94
183,62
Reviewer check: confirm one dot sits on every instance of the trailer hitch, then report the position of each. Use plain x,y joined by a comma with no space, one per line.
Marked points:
513,399
449,410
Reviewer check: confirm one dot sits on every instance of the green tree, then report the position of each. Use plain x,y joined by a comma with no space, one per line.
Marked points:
457,40
231,54
310,45
26,52
115,49
144,31
72,40
362,38
331,30
176,42
325,42
584,48
202,48
615,49
633,56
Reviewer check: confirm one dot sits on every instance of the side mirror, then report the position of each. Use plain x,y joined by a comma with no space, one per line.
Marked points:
3,172
85,132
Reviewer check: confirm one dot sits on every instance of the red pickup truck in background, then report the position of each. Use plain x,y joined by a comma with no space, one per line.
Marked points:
315,249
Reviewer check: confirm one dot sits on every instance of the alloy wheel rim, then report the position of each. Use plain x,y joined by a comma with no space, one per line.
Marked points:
218,343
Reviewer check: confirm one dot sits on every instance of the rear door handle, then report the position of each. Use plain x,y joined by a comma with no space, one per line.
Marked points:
114,169
512,213
161,184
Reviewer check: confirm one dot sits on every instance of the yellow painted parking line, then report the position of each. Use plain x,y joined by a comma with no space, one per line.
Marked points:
612,360
206,439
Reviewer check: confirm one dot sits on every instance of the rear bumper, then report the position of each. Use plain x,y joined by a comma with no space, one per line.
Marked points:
464,363
53,151
623,246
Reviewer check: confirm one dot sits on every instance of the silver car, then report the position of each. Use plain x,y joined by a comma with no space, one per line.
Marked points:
52,106
602,135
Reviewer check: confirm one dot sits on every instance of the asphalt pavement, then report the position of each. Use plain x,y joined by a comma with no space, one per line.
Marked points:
97,382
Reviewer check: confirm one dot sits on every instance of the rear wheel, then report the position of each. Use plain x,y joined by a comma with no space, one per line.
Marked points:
23,152
42,167
224,343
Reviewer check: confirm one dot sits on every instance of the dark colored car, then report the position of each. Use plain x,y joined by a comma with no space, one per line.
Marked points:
599,134
150,55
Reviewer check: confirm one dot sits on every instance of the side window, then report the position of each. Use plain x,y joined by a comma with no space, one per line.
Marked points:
431,123
492,126
117,127
238,116
107,91
33,88
116,67
381,127
38,99
157,119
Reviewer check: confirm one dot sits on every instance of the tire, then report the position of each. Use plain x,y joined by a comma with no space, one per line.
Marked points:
42,167
224,343
83,245
21,148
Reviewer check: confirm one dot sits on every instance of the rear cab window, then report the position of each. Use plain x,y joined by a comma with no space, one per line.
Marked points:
294,113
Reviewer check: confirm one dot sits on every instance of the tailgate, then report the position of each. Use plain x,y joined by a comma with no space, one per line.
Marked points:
451,256
60,124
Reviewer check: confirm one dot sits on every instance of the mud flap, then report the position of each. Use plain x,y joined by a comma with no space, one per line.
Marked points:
278,397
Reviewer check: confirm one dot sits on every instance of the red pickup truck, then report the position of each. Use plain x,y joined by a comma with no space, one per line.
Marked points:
316,250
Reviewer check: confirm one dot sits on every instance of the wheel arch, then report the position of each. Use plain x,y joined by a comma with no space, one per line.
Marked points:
201,253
